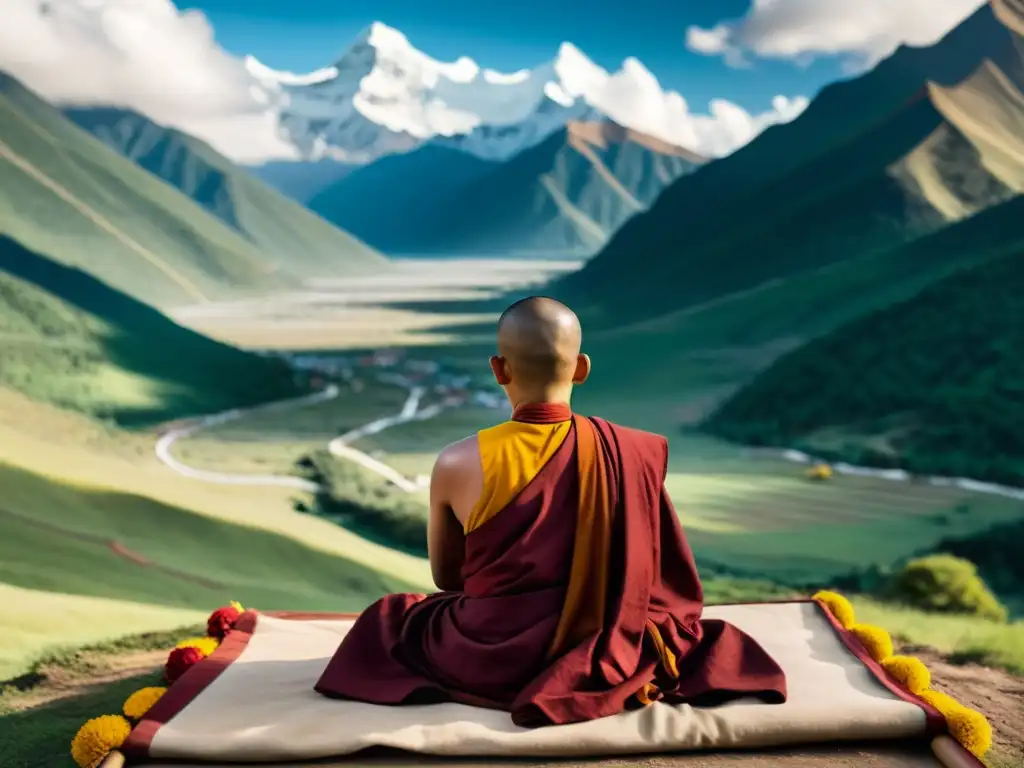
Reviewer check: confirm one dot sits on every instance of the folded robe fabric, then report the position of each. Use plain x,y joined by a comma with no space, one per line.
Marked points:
253,701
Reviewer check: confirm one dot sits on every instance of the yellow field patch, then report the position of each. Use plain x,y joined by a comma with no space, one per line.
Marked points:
32,620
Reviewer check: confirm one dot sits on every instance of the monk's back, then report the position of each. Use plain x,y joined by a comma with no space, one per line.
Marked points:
579,592
528,474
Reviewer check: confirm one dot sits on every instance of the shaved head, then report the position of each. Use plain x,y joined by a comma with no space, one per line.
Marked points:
540,339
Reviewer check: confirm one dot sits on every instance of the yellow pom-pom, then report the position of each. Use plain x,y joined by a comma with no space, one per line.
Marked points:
206,645
840,608
909,672
237,606
876,641
140,702
968,726
98,738
946,705
972,729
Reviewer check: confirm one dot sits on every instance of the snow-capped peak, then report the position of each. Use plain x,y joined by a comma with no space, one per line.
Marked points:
269,76
384,95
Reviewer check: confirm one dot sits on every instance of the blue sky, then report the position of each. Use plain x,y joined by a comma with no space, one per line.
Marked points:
302,35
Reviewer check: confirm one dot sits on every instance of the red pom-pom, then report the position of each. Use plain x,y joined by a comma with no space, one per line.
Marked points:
221,621
180,660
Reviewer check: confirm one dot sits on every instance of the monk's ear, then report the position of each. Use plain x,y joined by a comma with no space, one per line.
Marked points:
582,369
500,371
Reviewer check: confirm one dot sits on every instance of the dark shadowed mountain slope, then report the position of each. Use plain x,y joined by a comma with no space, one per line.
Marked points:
72,340
566,195
932,383
394,201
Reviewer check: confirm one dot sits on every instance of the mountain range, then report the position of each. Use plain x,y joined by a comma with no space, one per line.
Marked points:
383,96
103,228
297,241
564,196
548,160
927,138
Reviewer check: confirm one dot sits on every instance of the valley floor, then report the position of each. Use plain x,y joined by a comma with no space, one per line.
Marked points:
409,306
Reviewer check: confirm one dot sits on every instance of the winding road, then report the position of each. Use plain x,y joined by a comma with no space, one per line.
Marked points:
339,446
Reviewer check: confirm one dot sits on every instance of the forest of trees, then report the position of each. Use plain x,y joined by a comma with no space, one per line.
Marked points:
939,378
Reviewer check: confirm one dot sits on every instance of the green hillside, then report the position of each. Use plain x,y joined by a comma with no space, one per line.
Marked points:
873,162
293,238
69,339
567,195
932,384
57,537
68,541
66,195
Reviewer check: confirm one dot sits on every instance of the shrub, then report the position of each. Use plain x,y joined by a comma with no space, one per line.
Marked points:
945,584
357,499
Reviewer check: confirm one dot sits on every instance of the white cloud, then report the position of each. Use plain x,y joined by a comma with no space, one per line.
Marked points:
144,55
633,97
861,31
149,56
710,42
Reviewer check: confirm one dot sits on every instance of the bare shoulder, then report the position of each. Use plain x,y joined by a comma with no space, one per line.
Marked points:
462,454
457,479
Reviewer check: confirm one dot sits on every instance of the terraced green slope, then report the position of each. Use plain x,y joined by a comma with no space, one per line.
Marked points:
295,239
66,195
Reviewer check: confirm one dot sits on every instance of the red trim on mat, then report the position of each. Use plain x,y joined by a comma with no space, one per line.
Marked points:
195,680
188,686
934,721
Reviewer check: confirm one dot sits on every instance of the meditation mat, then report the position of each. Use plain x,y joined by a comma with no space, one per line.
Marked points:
251,700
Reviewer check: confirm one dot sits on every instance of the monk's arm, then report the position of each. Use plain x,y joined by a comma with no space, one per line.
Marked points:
446,542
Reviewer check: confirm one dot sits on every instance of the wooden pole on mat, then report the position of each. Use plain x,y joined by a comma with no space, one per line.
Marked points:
114,760
946,749
949,752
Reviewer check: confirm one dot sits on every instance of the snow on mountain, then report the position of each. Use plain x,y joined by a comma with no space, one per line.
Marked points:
384,96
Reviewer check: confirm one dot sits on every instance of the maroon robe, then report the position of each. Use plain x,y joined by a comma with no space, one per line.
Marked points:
518,637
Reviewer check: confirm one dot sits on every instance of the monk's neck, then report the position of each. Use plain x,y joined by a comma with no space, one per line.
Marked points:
544,412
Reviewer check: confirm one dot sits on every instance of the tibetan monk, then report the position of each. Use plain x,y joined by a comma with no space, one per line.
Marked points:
569,591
